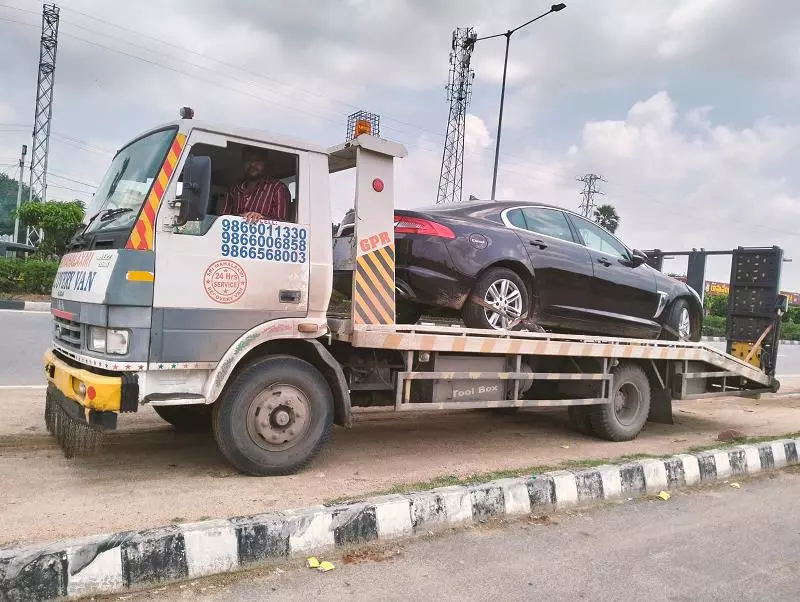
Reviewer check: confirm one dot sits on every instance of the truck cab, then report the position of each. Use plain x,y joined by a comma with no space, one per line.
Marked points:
162,294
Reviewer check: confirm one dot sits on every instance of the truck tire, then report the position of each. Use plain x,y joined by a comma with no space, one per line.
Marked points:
189,418
625,417
274,417
580,420
502,285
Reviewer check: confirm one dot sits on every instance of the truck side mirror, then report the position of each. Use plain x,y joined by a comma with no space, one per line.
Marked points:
193,203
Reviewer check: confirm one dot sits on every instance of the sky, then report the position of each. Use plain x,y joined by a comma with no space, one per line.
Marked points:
687,108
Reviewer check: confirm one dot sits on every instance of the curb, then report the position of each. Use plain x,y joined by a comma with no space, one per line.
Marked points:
136,559
723,339
25,305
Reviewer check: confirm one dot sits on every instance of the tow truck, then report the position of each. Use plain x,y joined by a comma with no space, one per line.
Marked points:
223,324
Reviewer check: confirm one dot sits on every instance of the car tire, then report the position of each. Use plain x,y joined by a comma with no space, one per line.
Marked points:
580,419
490,286
681,323
625,417
253,419
187,418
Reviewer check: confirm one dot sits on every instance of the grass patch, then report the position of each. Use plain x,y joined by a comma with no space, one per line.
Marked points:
473,479
743,441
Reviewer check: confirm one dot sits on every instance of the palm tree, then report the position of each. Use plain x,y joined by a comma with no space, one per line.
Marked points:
607,217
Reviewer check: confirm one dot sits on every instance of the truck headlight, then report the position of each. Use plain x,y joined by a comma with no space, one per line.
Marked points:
109,340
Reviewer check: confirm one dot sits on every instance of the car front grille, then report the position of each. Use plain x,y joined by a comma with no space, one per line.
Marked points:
67,332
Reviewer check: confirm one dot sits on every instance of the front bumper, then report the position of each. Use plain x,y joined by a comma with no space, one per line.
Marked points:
92,391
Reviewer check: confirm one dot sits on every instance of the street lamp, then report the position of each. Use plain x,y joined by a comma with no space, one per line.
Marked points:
553,9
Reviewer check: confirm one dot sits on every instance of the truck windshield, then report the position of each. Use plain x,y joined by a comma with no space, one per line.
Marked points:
128,180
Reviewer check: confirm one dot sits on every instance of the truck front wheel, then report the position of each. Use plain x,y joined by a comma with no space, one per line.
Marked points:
274,417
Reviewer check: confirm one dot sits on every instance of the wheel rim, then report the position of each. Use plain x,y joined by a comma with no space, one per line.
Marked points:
278,417
504,295
627,401
685,325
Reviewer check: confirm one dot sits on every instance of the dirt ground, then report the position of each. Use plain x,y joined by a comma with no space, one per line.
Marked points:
147,474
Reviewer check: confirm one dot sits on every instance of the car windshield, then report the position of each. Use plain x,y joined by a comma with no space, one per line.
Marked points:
128,180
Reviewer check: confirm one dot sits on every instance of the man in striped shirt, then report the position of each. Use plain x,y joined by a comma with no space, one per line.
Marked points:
257,197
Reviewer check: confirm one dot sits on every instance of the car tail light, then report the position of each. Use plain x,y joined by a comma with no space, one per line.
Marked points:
416,225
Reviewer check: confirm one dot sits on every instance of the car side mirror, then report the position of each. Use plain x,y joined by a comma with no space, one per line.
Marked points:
193,202
638,258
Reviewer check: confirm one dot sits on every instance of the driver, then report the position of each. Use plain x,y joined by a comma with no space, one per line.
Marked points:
258,196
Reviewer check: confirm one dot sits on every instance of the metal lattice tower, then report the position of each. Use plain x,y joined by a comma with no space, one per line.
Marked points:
459,91
588,192
44,110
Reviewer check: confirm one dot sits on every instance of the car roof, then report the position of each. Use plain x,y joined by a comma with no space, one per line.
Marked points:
477,205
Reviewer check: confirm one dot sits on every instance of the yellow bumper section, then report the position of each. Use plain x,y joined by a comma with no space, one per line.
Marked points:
93,391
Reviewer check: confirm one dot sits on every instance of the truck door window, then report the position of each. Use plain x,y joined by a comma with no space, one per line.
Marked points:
248,179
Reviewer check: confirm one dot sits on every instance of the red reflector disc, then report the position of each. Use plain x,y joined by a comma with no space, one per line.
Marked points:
377,185
91,393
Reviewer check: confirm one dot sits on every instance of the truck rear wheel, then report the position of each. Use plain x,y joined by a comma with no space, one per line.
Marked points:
190,418
625,417
274,417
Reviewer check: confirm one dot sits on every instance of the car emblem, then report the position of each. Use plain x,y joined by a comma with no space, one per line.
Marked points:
479,241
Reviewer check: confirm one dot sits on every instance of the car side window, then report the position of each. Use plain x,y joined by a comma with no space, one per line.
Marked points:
598,239
549,222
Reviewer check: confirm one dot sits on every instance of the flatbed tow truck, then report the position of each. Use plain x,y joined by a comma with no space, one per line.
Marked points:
222,324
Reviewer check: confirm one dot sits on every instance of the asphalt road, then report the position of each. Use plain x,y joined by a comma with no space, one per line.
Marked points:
27,334
708,544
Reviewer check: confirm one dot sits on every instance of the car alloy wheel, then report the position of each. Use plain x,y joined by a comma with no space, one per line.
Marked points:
685,325
506,297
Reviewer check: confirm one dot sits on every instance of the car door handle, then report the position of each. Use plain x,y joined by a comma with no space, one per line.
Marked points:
604,261
538,243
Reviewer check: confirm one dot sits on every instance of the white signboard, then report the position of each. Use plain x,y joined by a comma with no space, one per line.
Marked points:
84,276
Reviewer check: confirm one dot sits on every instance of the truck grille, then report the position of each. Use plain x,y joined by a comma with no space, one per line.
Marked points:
67,332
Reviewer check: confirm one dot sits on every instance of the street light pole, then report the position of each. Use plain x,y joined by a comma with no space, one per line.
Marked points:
500,115
19,190
553,9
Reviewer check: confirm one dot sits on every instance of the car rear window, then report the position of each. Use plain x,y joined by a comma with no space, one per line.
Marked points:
516,218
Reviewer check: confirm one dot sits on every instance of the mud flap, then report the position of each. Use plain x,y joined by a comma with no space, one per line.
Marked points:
79,431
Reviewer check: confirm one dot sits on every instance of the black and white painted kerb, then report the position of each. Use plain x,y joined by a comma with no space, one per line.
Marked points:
25,305
113,563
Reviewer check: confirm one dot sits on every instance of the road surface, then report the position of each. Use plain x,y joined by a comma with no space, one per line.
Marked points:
27,334
709,544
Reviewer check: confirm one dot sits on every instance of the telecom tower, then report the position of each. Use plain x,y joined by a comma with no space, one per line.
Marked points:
459,90
44,111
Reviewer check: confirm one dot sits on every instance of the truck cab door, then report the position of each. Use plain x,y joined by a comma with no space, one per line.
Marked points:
217,279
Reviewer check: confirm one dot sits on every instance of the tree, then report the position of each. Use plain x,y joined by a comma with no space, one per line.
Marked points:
607,217
58,220
8,203
717,305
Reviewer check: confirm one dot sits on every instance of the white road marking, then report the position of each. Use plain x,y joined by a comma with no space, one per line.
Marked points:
4,387
24,311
